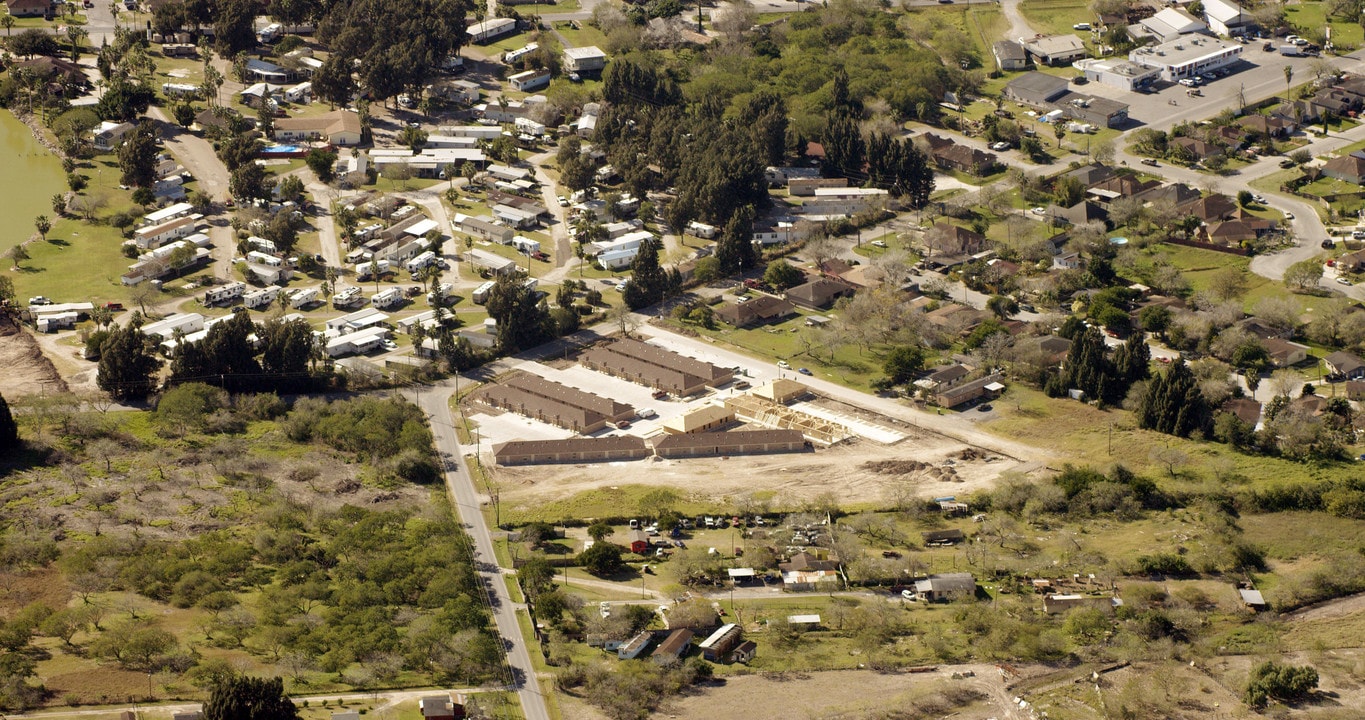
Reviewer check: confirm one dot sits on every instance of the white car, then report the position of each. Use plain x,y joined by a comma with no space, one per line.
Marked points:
1081,26
646,413
1289,216
1001,145
1039,211
878,243
604,608
1343,281
785,366
563,201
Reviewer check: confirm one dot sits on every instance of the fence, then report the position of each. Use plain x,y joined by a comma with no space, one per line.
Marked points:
1229,249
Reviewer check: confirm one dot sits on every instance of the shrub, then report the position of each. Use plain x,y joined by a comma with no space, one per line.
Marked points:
1273,681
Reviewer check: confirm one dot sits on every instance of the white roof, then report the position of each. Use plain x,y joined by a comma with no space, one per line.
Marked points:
1252,597
582,53
62,308
716,636
358,337
489,260
803,619
359,318
422,227
167,213
490,24
1222,11
167,327
741,572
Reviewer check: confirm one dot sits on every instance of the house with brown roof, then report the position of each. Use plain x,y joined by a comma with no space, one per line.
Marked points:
1275,126
1352,262
956,318
1119,186
1233,232
55,71
1347,168
1355,389
1345,365
948,239
1284,353
988,387
608,408
28,8
673,647
1210,209
1078,214
339,127
755,310
545,409
819,293
964,159
1247,410
1196,149
1052,349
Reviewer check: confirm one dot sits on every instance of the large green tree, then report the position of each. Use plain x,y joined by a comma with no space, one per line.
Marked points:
137,157
1173,403
9,430
128,365
523,321
249,698
648,282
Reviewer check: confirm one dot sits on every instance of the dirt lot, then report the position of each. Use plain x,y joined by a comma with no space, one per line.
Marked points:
26,370
792,477
841,695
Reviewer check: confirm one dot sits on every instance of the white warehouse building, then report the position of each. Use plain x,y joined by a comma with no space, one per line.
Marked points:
1119,73
1187,56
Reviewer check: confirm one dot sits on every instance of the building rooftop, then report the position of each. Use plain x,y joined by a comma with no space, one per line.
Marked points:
1184,49
584,53
1054,44
728,440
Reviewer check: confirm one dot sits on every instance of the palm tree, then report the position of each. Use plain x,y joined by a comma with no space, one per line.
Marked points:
8,21
59,204
42,225
76,34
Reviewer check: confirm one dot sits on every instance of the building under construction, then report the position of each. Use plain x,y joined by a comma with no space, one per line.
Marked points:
766,412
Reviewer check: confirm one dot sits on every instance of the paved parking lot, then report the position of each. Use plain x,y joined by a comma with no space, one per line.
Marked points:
1258,75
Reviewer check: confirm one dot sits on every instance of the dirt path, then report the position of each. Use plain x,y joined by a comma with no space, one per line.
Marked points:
1330,610
1019,27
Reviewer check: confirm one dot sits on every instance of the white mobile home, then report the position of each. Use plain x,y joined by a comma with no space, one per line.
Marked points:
426,259
526,245
165,329
492,29
358,320
224,294
52,322
260,298
303,297
617,259
180,90
347,296
530,80
301,93
362,341
481,292
369,269
387,298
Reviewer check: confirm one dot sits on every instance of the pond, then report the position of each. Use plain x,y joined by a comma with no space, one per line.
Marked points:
29,177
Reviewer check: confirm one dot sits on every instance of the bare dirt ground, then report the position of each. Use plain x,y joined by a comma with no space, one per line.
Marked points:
841,695
1330,610
857,472
26,370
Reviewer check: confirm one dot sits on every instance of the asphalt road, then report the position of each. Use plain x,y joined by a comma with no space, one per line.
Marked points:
434,401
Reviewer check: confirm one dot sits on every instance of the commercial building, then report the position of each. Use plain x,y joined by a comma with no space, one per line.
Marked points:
1048,92
610,409
577,450
734,442
339,127
1227,18
1119,73
1168,24
1187,56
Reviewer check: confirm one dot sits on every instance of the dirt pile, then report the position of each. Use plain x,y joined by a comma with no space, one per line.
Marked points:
26,370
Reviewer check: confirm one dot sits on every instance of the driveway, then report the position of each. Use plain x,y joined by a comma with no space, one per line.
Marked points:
197,156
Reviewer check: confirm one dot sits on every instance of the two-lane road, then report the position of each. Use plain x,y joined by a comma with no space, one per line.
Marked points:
435,402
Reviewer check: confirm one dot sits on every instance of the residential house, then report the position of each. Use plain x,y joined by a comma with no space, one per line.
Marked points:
339,127
28,8
635,646
987,387
1274,126
1066,261
440,707
1226,18
760,309
944,377
1247,410
948,239
483,227
951,156
1091,173
268,72
1232,233
1347,168
530,80
1120,186
1345,365
1355,389
1352,262
55,71
946,587
820,293
673,647
489,30
109,135
216,119
583,60
1055,49
1051,349
955,318
1284,353
1009,55
805,572
1195,149
1078,214
1213,208
745,652
719,643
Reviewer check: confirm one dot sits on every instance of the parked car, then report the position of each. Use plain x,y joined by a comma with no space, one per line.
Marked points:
1000,145
1289,216
39,300
1343,281
878,243
784,364
805,371
1081,26
1151,161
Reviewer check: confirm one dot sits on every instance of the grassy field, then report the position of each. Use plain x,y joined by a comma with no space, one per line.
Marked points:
1311,16
1055,17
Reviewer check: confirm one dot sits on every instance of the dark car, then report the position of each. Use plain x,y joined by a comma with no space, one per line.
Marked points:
805,371
985,408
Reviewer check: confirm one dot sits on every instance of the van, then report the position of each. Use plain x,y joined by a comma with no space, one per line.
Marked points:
646,413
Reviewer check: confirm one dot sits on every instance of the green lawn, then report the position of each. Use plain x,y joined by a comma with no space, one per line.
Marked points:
1310,16
60,21
1055,17
584,36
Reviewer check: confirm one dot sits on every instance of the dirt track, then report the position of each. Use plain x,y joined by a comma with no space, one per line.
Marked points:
26,370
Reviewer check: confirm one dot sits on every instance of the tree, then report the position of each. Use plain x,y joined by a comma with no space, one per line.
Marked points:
903,363
603,559
137,157
184,114
522,322
599,531
781,275
1273,681
322,163
9,430
735,249
250,182
647,282
128,366
42,225
1002,305
1173,403
244,697
1304,275
18,254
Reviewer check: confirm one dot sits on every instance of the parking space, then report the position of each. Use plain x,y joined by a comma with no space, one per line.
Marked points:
501,427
